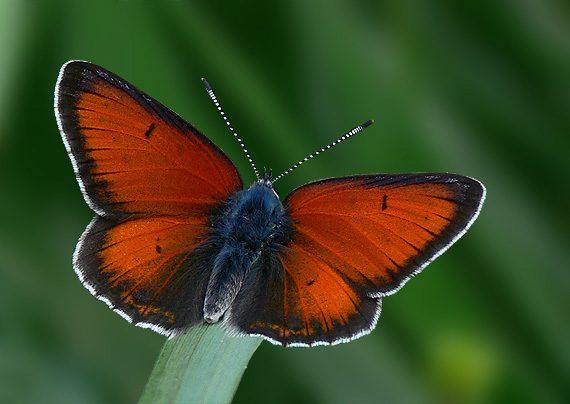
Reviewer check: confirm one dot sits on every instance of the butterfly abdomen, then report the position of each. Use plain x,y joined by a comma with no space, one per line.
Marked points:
251,222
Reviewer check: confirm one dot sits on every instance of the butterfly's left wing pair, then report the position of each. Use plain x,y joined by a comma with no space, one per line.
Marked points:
153,179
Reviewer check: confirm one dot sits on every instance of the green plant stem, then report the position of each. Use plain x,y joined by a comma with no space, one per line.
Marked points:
204,365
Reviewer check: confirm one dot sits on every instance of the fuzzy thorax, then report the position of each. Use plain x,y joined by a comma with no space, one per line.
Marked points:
247,223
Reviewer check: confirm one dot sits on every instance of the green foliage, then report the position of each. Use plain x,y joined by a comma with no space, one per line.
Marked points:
476,88
204,365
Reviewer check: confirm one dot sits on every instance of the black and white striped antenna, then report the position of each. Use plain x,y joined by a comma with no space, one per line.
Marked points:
216,102
347,135
351,133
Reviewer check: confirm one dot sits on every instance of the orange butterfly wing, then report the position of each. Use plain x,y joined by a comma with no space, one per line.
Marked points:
152,178
354,240
131,154
153,271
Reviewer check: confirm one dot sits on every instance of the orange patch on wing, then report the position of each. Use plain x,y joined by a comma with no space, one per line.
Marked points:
142,255
142,163
316,297
146,309
368,234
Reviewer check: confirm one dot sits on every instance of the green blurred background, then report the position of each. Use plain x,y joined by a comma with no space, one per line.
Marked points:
476,88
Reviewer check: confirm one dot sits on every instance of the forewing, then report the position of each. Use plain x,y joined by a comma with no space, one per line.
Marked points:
132,155
379,230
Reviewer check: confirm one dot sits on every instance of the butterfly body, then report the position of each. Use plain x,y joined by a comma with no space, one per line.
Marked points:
177,241
251,223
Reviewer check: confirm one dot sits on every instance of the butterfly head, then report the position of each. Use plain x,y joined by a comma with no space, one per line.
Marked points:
267,177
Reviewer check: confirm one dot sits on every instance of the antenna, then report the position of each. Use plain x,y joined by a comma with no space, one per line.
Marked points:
215,99
353,132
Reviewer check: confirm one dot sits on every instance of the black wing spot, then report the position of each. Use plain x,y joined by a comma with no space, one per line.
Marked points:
149,130
384,204
158,249
310,282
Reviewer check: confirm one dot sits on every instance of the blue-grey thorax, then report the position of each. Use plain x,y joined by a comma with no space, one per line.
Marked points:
247,226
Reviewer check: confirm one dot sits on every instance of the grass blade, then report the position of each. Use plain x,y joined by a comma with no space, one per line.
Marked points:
204,365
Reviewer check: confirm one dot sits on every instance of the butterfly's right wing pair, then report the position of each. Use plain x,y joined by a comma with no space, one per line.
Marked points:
355,239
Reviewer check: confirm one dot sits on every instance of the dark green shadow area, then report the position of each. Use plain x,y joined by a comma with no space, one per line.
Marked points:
474,88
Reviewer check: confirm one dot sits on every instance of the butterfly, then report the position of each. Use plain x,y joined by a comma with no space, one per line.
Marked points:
178,241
